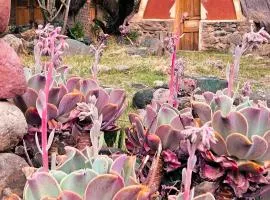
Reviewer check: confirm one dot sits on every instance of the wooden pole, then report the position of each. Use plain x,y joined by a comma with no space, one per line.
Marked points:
177,20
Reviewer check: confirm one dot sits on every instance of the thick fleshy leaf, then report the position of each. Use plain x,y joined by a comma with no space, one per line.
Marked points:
219,147
101,164
132,193
222,103
165,115
69,102
52,111
203,111
235,122
73,84
150,119
40,103
30,97
249,166
153,141
37,82
40,186
102,98
266,155
176,123
32,117
68,195
169,137
240,146
117,96
208,96
58,175
103,187
118,164
87,85
108,112
53,95
258,120
75,160
77,181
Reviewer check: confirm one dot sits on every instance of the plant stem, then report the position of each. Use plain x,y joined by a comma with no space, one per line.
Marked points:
172,83
231,80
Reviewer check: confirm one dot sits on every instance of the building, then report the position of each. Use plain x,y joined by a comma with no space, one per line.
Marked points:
207,24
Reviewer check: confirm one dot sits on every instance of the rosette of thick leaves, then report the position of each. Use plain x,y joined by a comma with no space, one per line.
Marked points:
79,178
242,131
63,99
160,123
110,103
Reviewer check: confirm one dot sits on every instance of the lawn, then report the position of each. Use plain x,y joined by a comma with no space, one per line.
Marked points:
142,72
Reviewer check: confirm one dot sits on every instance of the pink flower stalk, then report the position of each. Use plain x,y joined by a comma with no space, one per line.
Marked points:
50,42
44,122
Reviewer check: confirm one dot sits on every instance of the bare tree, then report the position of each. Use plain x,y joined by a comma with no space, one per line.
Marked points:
50,11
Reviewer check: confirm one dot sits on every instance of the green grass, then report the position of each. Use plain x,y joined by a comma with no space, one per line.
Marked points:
146,70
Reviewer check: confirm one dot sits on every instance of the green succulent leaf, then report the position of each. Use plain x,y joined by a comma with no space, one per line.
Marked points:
240,146
41,185
75,160
166,114
222,103
68,195
258,120
134,192
58,175
203,111
103,187
102,164
235,122
77,181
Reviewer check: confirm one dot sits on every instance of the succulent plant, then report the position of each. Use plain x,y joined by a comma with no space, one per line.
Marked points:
242,131
160,123
81,177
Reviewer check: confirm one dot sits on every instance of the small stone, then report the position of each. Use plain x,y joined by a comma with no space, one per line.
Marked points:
122,68
104,68
12,177
142,98
13,126
159,83
12,79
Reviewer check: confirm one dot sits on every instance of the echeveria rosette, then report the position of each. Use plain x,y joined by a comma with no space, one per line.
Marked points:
110,103
242,131
160,123
95,178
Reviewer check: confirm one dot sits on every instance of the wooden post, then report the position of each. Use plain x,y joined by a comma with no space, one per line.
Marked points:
177,20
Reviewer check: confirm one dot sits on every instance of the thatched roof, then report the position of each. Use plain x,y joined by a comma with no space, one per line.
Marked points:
258,11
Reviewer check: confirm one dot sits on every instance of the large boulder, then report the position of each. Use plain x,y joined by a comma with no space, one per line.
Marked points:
12,177
12,79
15,43
13,125
4,14
76,48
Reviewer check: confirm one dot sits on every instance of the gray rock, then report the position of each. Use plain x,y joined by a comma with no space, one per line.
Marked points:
122,67
15,43
156,47
11,175
13,126
142,98
141,51
76,48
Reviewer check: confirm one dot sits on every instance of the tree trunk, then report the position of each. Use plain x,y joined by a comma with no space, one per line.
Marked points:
66,17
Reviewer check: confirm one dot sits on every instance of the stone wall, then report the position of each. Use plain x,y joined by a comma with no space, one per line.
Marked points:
155,29
222,35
